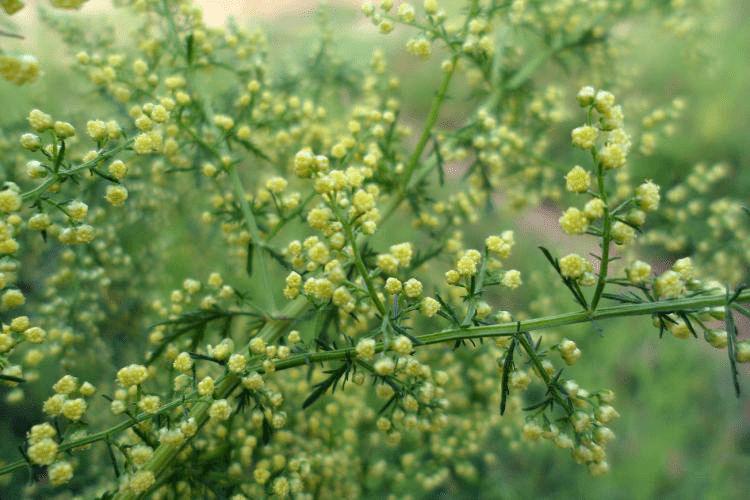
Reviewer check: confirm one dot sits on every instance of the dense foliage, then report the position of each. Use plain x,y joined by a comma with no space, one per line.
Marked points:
226,277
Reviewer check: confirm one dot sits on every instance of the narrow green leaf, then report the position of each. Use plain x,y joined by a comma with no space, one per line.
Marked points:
686,319
440,162
736,293
391,401
60,156
507,367
572,285
402,331
621,298
243,400
249,260
534,406
267,432
278,258
662,325
731,328
556,379
576,289
104,176
112,458
551,259
422,257
189,46
144,437
447,311
323,386
254,149
203,357
741,309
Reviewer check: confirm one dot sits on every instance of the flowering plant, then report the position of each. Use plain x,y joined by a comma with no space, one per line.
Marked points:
306,329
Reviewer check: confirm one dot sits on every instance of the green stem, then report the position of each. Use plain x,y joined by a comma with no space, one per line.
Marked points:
540,368
359,263
606,235
510,329
252,226
477,291
56,177
172,31
99,436
432,117
165,453
278,227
